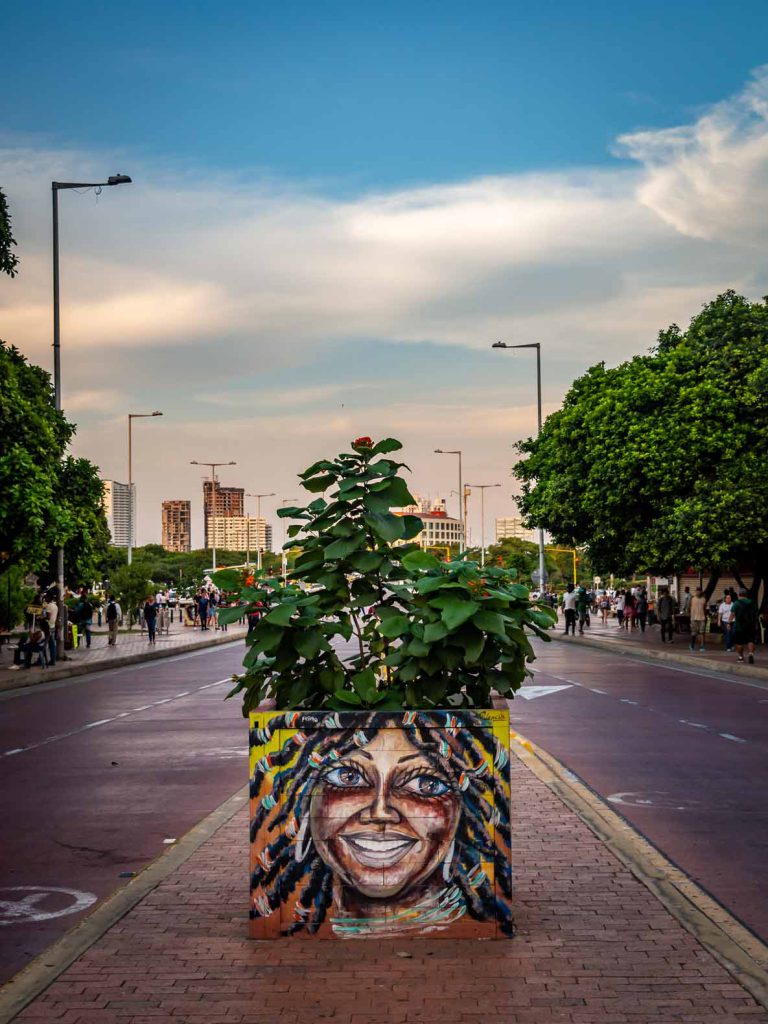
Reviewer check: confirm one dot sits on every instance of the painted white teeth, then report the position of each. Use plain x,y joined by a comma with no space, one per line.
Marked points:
381,845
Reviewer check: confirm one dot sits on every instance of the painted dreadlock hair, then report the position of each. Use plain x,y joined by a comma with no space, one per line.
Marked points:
459,744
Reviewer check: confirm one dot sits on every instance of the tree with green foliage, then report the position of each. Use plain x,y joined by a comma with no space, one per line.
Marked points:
131,584
48,499
661,463
427,633
8,258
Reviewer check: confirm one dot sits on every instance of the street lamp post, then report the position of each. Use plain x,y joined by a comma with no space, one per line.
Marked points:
258,498
537,346
56,187
213,467
131,417
283,503
482,488
462,514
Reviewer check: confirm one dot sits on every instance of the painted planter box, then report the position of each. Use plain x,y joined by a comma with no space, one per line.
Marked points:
368,824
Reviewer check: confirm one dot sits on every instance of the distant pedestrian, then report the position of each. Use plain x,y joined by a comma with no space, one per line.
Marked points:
605,607
698,610
113,620
84,609
570,599
52,616
641,609
745,626
582,607
725,620
202,609
150,617
620,599
685,602
629,610
665,611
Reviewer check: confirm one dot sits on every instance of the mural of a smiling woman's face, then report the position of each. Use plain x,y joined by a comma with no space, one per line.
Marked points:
383,817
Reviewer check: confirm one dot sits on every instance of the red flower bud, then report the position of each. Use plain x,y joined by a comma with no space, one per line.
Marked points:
362,442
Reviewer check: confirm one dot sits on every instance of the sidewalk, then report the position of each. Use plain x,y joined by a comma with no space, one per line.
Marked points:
649,645
595,946
130,648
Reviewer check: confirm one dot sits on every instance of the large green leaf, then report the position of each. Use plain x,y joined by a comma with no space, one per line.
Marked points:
412,527
388,444
315,468
456,611
317,484
343,546
227,579
429,584
435,631
229,615
291,512
416,560
365,684
281,615
309,642
347,697
385,525
490,622
365,561
394,626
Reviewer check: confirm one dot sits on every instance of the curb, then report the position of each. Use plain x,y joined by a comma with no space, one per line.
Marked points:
33,979
50,675
730,942
754,674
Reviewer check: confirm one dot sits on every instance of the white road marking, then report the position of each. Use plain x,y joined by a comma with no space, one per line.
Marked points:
595,690
106,721
25,910
532,692
730,736
696,725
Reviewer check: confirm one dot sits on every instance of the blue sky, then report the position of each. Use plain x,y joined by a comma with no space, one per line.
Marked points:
362,95
337,207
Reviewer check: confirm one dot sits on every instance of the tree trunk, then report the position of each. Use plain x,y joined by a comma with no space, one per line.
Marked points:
710,587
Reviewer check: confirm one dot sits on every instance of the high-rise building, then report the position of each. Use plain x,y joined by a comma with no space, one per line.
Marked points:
240,533
177,525
512,526
229,501
116,502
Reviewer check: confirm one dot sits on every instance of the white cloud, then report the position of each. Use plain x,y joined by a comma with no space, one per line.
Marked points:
233,298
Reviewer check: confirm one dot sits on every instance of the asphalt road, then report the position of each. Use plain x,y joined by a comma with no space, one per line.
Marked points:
96,773
680,754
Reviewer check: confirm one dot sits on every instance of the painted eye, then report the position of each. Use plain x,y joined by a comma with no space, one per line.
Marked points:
346,777
426,785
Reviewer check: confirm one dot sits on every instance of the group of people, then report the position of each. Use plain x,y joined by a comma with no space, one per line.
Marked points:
736,615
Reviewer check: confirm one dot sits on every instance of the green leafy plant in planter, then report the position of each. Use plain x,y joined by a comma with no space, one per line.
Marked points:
424,633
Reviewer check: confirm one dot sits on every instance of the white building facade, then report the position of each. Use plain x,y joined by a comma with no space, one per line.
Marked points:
239,533
116,502
512,526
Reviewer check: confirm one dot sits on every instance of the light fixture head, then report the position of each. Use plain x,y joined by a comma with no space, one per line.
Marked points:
118,179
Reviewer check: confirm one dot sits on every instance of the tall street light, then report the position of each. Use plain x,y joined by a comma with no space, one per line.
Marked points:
56,187
283,503
213,467
462,516
537,346
482,488
258,498
131,417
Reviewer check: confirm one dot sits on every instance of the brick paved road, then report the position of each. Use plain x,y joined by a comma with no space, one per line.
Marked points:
594,947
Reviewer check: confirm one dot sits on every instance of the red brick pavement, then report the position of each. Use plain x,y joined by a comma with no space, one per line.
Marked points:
594,947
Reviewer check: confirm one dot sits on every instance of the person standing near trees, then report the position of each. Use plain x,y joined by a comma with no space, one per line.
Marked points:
725,620
582,607
51,615
113,620
150,617
84,610
665,610
745,626
698,609
641,609
202,608
570,599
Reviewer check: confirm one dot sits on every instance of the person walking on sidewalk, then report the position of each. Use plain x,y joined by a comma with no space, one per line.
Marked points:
725,620
113,620
84,609
570,599
745,626
150,617
202,608
582,607
51,615
665,610
698,609
620,599
641,609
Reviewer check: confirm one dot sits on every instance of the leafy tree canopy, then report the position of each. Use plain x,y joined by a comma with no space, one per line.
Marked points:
8,258
47,499
661,462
